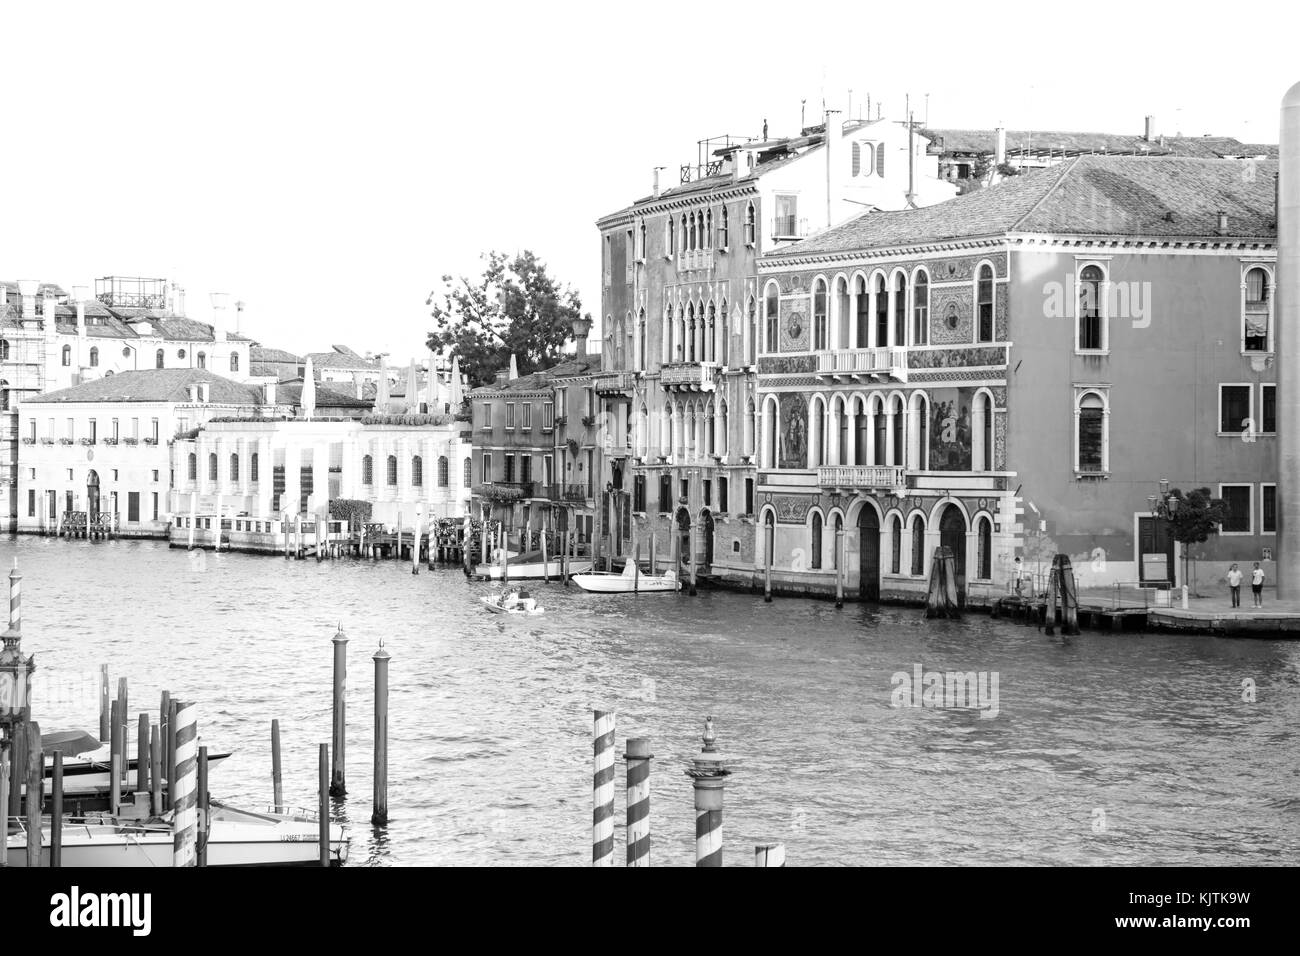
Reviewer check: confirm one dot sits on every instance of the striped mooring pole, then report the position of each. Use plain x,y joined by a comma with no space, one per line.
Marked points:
769,854
638,800
15,599
185,822
709,772
602,786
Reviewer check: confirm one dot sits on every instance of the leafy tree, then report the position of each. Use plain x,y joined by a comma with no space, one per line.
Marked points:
513,308
1193,517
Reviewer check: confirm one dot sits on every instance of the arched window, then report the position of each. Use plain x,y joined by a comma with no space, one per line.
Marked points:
751,224
770,318
837,542
1258,311
918,545
212,466
234,361
158,359
392,470
202,360
641,249
193,472
670,237
367,470
234,467
668,331
880,159
921,309
815,543
1091,433
984,304
1090,309
724,230
896,545
417,471
467,477
751,427
689,344
882,312
751,317
443,478
685,235
706,230
819,315
984,549
710,335
641,340
900,309
94,357
67,355
862,321
252,468
724,447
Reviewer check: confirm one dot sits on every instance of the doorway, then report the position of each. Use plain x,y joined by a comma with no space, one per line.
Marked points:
706,529
1156,567
92,496
868,554
952,534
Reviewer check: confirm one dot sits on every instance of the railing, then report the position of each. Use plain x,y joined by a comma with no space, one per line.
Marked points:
694,376
789,227
504,490
885,362
576,493
613,381
861,476
695,259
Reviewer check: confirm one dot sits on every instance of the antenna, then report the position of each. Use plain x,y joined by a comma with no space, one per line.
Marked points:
801,105
849,111
239,314
927,110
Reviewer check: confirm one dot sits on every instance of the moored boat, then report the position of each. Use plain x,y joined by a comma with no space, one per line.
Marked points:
629,581
512,602
529,566
86,764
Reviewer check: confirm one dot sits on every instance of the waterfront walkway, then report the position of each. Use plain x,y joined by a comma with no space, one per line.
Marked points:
1211,613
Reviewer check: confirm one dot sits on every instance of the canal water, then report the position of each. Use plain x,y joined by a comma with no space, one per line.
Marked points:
1105,748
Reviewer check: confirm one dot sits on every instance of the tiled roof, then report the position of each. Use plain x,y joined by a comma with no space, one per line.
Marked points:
984,142
258,353
156,385
1089,195
540,380
320,360
291,393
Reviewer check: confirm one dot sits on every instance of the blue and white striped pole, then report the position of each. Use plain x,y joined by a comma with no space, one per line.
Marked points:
185,820
602,785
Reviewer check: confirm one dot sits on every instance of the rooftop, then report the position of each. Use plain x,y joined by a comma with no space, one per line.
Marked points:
156,385
983,142
1089,195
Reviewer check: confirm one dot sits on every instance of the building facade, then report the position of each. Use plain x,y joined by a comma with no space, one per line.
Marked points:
1011,374
682,306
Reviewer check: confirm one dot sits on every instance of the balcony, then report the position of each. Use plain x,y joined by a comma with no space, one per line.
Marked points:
504,490
861,477
688,376
863,365
614,383
789,227
695,259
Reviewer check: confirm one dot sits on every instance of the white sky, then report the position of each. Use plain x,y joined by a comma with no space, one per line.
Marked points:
327,163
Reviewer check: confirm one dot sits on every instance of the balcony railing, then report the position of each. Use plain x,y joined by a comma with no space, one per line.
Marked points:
789,227
576,492
879,364
689,376
619,382
882,477
504,490
695,259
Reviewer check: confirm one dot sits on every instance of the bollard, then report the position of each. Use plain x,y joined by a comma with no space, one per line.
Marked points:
203,829
155,771
142,755
17,771
185,820
379,815
277,786
323,810
115,758
164,740
56,813
35,792
297,539
839,567
546,571
708,771
602,787
338,787
638,800
769,854
103,702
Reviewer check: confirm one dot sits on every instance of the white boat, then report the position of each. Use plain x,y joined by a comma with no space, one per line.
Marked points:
86,765
630,581
512,602
529,566
236,838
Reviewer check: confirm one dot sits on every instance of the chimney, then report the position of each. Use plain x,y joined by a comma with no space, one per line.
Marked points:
1223,223
49,308
1149,129
656,190
359,385
269,389
581,326
180,301
1000,155
204,392
27,292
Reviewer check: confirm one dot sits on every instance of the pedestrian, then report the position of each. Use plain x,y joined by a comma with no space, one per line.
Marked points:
1234,585
1257,585
1017,571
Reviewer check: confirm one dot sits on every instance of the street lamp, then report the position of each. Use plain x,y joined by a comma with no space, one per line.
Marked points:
1164,505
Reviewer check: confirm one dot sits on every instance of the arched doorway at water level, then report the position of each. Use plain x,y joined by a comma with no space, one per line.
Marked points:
868,554
952,534
684,536
706,532
92,495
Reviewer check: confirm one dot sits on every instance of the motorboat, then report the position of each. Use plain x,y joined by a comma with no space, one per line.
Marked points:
235,838
86,764
529,566
631,580
512,602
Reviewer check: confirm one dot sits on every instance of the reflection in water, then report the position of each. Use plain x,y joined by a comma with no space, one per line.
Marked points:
1115,748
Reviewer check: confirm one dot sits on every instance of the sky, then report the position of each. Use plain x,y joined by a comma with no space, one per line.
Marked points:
328,163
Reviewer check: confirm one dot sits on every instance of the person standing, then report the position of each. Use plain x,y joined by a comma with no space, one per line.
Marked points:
1257,585
1234,585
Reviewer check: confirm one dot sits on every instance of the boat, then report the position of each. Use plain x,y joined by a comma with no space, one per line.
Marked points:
529,565
512,602
630,581
235,838
86,764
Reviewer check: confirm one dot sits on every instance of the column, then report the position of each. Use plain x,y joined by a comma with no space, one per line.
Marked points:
831,446
871,433
889,437
851,436
291,500
265,478
891,295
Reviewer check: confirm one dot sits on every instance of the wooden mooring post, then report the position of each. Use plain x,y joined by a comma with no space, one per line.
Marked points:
379,812
769,543
124,715
201,841
323,807
839,567
155,770
35,792
338,785
56,812
104,726
4,806
142,754
638,757
277,785
115,760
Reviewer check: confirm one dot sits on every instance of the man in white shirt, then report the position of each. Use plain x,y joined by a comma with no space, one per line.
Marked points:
1234,585
1257,585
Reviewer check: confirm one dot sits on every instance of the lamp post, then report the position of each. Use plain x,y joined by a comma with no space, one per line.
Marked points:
1163,507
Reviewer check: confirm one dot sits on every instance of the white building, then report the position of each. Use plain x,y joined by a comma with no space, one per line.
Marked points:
101,447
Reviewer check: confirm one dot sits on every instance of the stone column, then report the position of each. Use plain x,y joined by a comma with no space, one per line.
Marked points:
871,435
851,436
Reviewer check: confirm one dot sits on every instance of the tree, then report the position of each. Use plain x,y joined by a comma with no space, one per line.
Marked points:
1193,517
513,308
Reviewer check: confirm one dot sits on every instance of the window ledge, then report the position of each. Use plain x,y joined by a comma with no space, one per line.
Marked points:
1091,475
1240,534
1103,353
